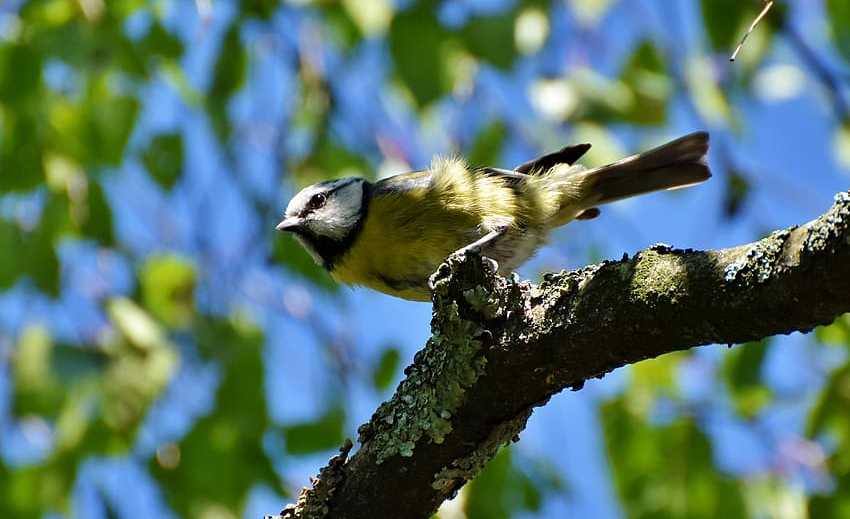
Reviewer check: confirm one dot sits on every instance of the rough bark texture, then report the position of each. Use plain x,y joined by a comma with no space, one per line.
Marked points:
501,347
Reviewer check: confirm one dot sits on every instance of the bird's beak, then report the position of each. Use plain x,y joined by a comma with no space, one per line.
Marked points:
290,224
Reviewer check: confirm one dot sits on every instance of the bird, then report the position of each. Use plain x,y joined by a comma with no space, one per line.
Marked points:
393,234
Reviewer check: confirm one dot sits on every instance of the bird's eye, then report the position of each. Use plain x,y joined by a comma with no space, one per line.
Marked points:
317,201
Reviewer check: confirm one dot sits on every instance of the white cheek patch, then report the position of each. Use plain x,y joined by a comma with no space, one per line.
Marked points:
341,213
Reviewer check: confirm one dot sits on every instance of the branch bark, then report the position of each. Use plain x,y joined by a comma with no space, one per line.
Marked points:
501,347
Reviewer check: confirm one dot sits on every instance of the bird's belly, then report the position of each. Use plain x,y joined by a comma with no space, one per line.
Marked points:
404,270
401,270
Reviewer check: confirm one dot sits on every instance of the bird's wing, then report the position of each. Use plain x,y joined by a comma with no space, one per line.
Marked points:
404,182
419,179
512,177
566,155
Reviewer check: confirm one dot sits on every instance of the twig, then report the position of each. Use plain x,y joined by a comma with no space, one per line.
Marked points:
761,15
821,70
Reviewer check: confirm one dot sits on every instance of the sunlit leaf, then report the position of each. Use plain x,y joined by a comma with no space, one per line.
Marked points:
837,333
168,289
373,17
590,12
841,145
36,389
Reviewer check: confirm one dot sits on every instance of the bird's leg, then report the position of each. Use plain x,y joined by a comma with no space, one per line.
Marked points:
478,246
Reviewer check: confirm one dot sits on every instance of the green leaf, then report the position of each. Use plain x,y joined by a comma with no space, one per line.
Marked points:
666,471
316,436
838,12
837,333
488,144
501,490
736,193
168,289
98,217
94,131
163,159
834,504
110,122
385,370
491,38
21,151
742,370
646,75
260,8
230,67
724,21
418,44
159,42
20,73
37,391
32,253
829,415
488,495
229,74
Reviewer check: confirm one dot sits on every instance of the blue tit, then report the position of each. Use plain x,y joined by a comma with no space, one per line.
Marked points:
392,235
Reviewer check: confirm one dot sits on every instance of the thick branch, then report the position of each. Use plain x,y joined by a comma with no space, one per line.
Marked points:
501,346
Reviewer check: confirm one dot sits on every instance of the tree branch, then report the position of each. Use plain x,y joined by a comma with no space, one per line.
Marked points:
501,347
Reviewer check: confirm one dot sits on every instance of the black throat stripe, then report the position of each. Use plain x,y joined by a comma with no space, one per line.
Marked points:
332,250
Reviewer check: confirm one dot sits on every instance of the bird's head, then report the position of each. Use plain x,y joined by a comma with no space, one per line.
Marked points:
325,217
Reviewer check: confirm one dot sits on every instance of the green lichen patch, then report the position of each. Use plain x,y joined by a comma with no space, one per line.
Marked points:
760,262
467,468
313,502
482,301
451,362
835,223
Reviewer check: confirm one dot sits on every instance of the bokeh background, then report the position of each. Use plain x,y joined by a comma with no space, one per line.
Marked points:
165,354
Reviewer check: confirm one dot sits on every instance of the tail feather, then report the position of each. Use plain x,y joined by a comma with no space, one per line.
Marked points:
677,164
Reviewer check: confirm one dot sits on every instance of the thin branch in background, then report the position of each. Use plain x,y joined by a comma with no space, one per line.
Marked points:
823,72
761,15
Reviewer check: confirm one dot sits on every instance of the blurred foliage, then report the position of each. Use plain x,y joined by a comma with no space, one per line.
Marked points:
78,80
742,372
665,470
502,490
